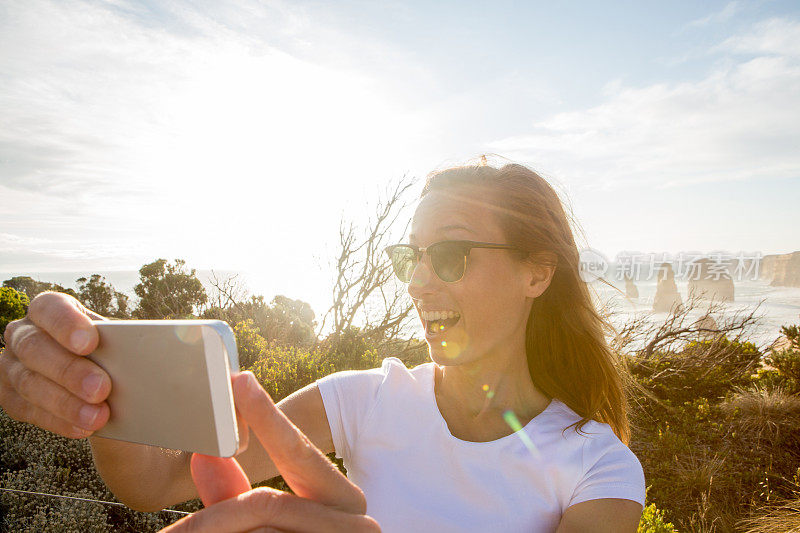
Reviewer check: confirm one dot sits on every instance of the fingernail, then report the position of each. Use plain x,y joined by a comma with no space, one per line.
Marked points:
79,340
80,432
88,415
91,385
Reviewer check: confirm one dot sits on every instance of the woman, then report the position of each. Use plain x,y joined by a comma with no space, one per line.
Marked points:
518,424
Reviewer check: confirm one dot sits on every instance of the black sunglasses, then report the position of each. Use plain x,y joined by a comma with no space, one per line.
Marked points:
448,258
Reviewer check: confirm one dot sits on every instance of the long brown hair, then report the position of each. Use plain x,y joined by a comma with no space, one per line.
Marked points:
568,355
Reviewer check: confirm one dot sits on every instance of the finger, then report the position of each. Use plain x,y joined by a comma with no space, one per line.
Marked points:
41,354
265,507
66,320
304,468
51,397
241,424
20,409
217,478
244,432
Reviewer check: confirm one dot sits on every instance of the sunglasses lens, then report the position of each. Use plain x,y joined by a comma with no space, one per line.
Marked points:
449,261
404,261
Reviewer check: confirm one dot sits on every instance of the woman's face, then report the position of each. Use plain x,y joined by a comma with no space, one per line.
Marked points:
491,301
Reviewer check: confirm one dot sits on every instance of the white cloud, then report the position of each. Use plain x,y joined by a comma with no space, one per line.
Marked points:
726,13
776,36
741,122
131,123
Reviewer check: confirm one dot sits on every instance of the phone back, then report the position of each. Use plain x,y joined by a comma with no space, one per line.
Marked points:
170,384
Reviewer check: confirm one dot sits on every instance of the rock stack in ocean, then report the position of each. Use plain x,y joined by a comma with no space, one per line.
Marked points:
711,280
706,322
666,290
631,291
782,270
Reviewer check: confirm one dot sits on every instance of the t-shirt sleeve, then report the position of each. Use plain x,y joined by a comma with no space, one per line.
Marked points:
349,398
611,470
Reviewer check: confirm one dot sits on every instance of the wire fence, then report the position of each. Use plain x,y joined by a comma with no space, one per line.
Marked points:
87,500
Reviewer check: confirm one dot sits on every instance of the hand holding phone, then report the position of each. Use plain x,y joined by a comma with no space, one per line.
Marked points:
46,379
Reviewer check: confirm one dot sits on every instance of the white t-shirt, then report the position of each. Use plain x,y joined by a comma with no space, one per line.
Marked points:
417,476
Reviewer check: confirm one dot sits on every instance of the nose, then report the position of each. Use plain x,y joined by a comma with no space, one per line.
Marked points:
423,279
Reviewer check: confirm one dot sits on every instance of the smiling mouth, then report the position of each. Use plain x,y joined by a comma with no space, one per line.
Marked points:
435,327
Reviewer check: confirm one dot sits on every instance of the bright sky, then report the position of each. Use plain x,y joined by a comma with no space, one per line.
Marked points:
236,135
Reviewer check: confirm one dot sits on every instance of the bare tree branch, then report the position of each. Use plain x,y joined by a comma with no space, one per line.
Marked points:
364,294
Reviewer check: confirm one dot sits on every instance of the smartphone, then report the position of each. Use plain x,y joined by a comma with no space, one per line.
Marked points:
170,383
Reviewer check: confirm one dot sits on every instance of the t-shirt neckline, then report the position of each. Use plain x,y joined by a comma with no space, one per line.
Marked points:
468,443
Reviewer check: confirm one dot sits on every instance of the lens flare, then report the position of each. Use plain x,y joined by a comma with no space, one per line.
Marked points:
189,334
450,350
512,420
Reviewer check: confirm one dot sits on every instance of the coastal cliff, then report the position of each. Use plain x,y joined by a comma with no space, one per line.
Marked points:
667,294
712,281
782,270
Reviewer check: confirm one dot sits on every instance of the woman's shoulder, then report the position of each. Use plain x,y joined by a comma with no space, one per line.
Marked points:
608,467
392,372
596,439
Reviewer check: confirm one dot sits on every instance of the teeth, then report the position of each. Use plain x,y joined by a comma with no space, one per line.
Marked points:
429,316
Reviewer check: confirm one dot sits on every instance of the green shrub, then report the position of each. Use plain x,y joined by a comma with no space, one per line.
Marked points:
13,306
703,369
284,321
714,445
785,362
32,459
654,521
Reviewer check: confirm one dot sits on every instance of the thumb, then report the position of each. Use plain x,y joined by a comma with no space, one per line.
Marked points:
217,478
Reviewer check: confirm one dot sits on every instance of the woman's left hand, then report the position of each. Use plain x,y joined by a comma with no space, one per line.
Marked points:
324,499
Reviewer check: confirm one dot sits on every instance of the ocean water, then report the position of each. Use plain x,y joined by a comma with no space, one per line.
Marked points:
774,306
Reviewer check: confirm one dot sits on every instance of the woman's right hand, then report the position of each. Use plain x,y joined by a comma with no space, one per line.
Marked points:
44,377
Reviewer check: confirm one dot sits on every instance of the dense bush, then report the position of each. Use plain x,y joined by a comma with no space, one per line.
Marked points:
168,290
653,521
99,296
35,460
13,306
784,363
716,442
285,322
32,287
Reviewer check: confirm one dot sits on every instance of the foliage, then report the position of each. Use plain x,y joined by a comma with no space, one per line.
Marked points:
284,369
781,518
13,306
702,369
167,290
285,321
32,459
760,412
32,287
715,443
786,361
101,297
654,521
